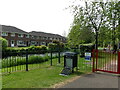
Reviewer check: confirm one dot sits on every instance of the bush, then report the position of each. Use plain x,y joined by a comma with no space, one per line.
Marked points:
20,51
86,48
4,43
52,46
56,46
34,48
43,47
16,61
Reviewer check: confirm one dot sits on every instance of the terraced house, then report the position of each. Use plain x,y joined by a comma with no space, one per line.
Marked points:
17,37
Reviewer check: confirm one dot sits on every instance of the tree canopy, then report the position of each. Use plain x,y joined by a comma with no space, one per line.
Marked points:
97,22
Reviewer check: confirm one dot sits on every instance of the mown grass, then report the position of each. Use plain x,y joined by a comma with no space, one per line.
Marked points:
38,78
44,76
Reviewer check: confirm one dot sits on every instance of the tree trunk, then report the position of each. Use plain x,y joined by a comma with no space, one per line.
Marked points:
96,39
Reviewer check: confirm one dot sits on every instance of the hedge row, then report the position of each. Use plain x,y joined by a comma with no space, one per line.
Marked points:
16,61
20,51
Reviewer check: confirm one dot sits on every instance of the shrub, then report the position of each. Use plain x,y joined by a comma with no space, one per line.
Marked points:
20,51
56,46
52,46
43,47
4,43
86,48
18,60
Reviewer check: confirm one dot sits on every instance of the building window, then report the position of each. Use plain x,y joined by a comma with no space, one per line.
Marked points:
33,42
36,37
45,38
43,43
33,37
50,38
39,37
20,35
12,34
59,39
27,36
4,34
20,42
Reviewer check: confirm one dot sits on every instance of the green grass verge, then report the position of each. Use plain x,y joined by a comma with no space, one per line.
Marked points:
43,77
38,78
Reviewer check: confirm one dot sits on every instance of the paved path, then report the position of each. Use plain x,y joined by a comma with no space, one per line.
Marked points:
95,80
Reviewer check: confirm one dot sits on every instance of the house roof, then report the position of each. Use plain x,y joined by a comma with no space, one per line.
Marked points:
12,29
45,34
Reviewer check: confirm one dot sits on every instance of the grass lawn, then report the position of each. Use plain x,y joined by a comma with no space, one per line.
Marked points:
38,78
44,77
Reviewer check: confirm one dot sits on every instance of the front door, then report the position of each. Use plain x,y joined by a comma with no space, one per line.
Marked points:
12,43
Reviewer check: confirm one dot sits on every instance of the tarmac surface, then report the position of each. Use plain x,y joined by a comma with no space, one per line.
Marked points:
95,80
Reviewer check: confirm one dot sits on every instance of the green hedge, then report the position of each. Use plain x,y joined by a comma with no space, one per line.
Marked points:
16,61
20,51
86,48
56,46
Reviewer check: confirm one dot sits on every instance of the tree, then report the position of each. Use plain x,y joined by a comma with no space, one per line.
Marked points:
80,35
98,16
4,43
90,16
113,16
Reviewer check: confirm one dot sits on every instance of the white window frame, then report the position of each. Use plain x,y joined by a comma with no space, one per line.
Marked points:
43,43
20,35
4,34
50,38
33,43
20,42
12,34
27,36
33,37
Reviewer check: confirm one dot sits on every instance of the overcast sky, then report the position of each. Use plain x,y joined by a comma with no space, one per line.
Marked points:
37,15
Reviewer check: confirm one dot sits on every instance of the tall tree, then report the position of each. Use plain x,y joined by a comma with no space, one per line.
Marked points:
113,16
98,16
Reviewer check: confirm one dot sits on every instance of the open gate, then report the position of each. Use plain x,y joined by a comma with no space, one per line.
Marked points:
106,61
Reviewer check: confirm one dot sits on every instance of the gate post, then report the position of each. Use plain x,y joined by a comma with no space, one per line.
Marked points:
118,62
96,58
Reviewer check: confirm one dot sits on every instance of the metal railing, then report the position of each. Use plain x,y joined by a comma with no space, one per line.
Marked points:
26,61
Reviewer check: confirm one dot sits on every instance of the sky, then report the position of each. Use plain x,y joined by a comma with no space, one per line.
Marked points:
37,15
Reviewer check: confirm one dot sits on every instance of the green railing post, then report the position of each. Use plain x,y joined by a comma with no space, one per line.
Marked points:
59,56
58,53
51,57
26,59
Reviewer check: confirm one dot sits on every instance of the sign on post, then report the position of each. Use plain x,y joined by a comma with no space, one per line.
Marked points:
87,56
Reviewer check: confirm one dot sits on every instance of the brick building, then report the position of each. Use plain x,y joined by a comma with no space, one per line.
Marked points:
17,37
